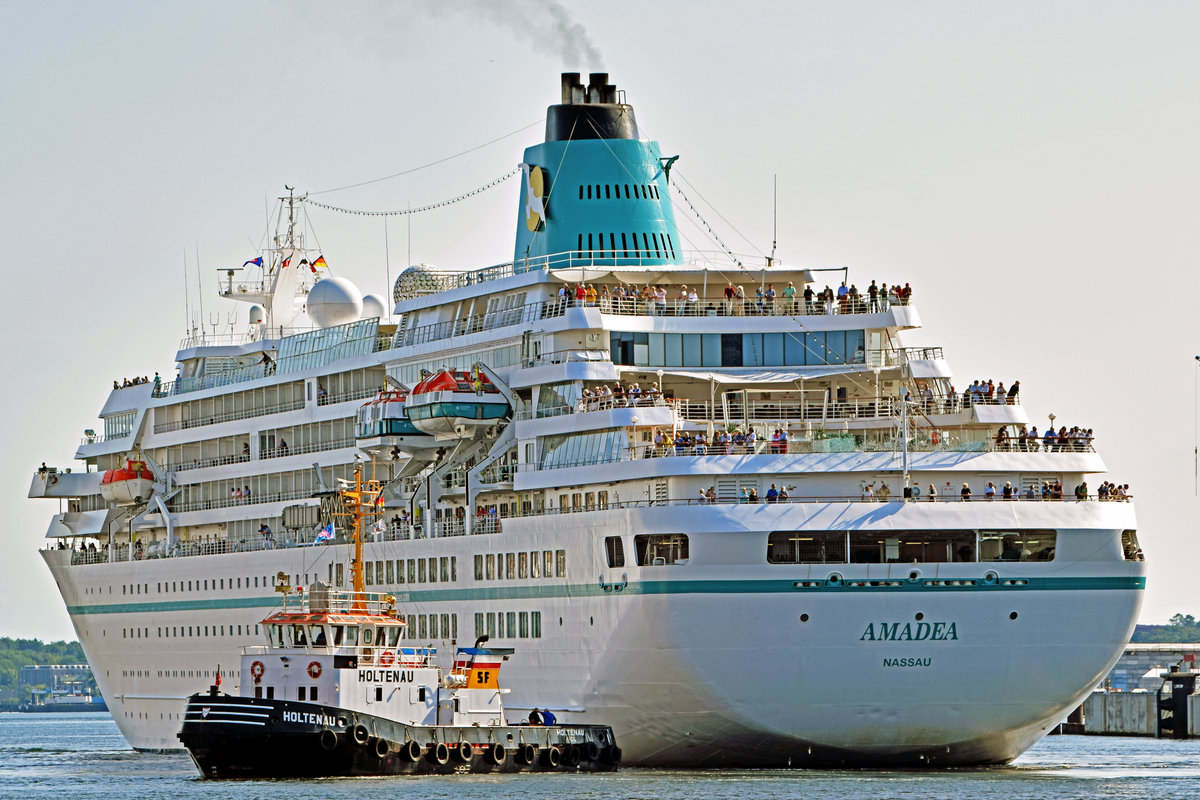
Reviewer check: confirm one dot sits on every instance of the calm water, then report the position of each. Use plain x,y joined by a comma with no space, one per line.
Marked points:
83,756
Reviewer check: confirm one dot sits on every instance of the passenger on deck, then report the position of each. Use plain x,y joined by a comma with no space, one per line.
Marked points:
548,718
535,717
1010,552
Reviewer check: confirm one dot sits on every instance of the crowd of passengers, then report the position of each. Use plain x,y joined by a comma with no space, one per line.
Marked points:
1028,440
723,443
734,300
604,396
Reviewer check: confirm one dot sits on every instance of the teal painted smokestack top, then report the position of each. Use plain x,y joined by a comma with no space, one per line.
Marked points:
594,192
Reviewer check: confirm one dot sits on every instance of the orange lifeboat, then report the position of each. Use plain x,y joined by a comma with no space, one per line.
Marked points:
127,485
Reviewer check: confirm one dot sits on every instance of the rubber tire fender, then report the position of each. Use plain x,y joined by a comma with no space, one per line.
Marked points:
439,753
328,740
382,747
551,757
462,752
591,751
360,734
495,754
526,755
410,750
612,755
572,756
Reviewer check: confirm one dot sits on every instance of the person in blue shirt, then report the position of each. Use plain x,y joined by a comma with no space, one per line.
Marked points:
548,718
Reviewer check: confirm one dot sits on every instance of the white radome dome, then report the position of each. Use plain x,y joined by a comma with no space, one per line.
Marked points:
373,307
334,301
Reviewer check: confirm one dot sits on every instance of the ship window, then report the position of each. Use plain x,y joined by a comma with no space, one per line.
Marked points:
420,570
522,565
579,245
412,571
275,632
607,192
351,636
806,547
394,634
535,565
368,633
560,565
589,244
316,634
379,572
491,624
581,191
512,624
597,191
454,568
433,570
1017,545
547,564
300,693
258,692
510,566
479,629
391,572
661,549
589,191
624,245
615,551
491,567
612,244
433,626
422,627
535,624
370,575
1130,549
400,570
500,624
312,694
646,245
627,191
444,562
270,692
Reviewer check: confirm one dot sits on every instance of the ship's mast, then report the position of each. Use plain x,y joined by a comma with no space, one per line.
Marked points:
359,503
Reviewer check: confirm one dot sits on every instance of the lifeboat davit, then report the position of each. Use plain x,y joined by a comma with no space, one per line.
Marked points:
383,422
128,485
456,405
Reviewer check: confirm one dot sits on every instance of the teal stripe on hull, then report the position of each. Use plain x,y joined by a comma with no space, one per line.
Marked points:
643,588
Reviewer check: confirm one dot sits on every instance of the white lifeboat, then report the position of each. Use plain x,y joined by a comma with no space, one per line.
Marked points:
127,485
456,405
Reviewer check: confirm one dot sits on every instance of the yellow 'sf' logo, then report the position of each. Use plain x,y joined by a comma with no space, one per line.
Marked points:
535,196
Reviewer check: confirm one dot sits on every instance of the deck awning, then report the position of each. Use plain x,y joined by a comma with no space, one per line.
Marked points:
929,368
78,523
786,377
715,277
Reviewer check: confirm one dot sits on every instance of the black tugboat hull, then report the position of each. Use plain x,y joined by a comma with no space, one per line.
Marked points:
243,737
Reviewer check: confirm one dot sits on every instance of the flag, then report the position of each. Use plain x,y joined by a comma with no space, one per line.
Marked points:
255,261
285,263
320,262
379,499
379,527
326,533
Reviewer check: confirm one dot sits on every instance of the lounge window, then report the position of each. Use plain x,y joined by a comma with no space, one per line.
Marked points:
806,547
615,551
661,549
906,547
1130,549
1017,545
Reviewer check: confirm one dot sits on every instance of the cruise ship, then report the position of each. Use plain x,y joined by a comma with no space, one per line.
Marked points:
717,505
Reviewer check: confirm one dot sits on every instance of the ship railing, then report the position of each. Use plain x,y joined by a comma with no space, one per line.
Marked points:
919,354
227,502
352,394
308,447
598,403
449,527
91,437
403,655
581,354
201,463
230,416
833,443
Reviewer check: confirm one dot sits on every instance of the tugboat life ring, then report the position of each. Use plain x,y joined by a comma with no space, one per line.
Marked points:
387,658
314,670
256,670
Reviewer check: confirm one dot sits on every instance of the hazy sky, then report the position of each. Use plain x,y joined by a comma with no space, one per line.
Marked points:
1030,167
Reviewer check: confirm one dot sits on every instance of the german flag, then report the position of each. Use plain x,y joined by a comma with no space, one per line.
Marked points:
319,262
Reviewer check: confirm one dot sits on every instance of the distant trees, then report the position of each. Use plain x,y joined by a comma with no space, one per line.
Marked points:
1180,628
17,653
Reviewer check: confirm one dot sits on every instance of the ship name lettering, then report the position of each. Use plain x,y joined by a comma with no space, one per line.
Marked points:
307,717
385,676
908,632
907,662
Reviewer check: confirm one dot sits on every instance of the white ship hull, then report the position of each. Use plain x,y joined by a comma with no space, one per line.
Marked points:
696,664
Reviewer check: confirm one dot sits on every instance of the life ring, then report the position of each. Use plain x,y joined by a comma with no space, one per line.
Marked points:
387,658
933,437
314,670
256,670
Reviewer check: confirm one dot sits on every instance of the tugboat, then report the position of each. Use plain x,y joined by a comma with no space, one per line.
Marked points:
336,693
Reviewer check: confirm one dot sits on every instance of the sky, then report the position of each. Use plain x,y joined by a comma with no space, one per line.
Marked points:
1029,167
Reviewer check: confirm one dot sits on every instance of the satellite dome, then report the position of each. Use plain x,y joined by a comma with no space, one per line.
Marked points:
334,301
373,307
423,279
